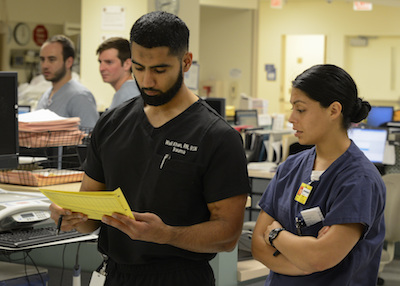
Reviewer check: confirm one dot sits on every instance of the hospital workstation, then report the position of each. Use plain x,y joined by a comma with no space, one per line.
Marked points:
250,91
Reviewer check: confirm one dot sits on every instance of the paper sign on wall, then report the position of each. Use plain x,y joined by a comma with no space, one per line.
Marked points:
362,6
113,18
277,4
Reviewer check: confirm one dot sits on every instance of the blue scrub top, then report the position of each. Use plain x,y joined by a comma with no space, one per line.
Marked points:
351,190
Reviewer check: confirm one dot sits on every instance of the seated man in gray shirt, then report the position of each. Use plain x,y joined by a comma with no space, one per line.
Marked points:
116,69
67,97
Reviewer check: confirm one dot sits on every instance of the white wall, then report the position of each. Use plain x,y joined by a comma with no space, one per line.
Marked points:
336,20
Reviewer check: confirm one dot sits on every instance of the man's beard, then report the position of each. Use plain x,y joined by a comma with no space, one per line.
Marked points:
163,97
59,74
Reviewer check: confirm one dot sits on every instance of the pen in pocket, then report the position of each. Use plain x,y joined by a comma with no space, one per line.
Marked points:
165,158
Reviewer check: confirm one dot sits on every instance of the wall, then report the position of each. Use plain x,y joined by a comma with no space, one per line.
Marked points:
37,12
226,62
336,20
92,36
375,67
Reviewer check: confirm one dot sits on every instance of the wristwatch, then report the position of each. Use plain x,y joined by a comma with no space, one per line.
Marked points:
274,234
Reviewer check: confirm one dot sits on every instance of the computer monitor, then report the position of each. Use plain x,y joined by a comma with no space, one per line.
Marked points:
24,109
371,142
247,117
9,146
380,115
218,104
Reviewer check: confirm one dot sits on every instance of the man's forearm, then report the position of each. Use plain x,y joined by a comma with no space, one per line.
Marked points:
207,237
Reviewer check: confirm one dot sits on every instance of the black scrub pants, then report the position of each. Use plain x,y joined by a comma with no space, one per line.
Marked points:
177,273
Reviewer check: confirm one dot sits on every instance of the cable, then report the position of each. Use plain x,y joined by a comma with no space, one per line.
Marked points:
37,270
76,277
77,255
25,267
63,266
25,254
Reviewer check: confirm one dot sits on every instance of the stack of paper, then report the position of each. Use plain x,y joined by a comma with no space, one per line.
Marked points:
44,128
93,204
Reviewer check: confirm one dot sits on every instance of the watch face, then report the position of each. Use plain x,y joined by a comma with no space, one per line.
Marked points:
170,6
273,234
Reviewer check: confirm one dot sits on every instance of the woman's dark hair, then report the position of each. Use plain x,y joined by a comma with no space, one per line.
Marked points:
161,29
328,83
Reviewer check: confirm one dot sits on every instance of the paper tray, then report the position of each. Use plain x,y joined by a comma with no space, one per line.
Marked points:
51,138
42,177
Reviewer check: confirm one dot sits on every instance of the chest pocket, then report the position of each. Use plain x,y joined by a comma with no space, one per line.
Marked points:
177,173
174,191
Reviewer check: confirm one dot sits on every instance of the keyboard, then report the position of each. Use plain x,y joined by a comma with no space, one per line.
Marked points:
30,237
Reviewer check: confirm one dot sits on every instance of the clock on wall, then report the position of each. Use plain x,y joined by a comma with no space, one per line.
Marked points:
22,34
170,6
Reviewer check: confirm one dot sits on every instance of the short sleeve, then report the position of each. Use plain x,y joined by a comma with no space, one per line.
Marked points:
226,174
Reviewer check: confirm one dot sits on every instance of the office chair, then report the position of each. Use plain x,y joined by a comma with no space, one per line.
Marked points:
254,146
392,218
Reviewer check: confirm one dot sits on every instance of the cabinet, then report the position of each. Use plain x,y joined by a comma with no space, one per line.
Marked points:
259,180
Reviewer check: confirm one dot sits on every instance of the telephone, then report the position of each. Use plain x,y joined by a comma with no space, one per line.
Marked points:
20,209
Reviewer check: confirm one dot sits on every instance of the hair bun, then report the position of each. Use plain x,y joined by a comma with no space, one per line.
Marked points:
361,110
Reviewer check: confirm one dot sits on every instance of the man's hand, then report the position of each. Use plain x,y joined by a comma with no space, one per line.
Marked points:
70,219
146,226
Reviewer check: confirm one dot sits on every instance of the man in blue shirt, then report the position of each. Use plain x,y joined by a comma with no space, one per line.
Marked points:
67,97
116,69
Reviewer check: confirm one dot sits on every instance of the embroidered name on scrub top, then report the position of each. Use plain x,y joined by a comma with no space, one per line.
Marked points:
304,191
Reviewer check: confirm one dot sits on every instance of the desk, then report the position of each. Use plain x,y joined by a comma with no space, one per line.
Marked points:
261,174
88,237
49,254
74,187
224,264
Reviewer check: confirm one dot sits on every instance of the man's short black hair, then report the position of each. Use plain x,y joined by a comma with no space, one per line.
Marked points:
161,29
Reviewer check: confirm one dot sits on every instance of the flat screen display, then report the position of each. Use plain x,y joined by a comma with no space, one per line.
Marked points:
9,120
218,104
23,109
371,142
246,117
380,115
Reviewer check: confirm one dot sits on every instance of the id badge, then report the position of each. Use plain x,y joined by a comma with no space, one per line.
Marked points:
97,279
303,193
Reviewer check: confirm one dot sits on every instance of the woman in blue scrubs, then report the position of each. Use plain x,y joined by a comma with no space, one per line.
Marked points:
321,219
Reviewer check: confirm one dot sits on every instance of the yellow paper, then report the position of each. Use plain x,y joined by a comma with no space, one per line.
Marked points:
93,204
